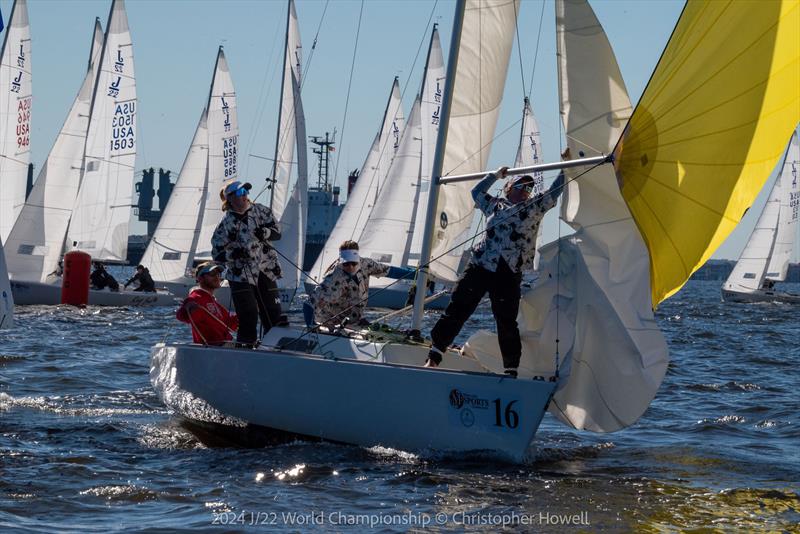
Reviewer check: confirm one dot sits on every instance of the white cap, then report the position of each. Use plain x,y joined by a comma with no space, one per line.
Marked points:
349,255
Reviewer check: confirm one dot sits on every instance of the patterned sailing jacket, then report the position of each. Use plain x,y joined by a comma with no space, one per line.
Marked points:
511,229
241,241
342,295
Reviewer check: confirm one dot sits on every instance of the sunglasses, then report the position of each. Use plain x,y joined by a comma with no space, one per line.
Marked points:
525,186
241,192
349,263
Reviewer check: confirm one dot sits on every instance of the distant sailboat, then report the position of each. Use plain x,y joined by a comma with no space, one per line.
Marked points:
765,258
15,115
97,157
6,298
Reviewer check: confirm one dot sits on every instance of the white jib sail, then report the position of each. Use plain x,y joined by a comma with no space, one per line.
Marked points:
223,147
100,218
36,242
430,113
361,199
6,298
787,220
287,134
15,115
593,285
291,246
388,232
170,252
483,55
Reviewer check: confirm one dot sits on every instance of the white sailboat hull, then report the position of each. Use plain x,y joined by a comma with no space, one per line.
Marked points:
32,293
358,392
760,295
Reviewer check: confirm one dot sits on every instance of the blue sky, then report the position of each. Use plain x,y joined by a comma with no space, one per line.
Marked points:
175,43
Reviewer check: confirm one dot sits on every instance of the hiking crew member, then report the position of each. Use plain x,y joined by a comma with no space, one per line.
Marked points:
211,322
145,280
242,243
344,291
101,279
505,250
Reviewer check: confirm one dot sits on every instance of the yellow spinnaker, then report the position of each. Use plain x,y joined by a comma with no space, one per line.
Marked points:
709,129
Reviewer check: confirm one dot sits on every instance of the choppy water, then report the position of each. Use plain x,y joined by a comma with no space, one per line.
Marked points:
86,446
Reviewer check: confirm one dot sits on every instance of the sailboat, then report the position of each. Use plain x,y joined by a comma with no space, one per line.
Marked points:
183,235
765,258
6,298
82,197
304,383
15,115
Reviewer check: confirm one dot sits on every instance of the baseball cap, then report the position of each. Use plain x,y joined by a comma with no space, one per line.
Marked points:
239,188
206,268
349,255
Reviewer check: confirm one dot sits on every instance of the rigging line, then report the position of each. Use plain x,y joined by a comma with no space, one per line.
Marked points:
349,87
536,53
519,48
402,95
314,44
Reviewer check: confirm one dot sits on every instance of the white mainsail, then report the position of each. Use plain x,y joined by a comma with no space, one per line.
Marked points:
102,211
766,254
35,244
594,288
388,232
223,146
529,153
6,298
15,115
171,250
362,198
477,90
290,209
787,220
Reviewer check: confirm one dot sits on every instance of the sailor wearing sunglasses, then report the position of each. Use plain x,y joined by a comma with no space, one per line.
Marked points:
505,250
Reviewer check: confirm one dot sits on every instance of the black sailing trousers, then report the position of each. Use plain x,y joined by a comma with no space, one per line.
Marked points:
503,287
252,302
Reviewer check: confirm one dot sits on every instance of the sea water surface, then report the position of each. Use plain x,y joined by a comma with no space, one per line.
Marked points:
86,446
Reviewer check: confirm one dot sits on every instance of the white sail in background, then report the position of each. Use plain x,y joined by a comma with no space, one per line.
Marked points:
388,232
361,199
6,298
787,220
223,146
100,218
36,242
287,134
594,288
15,115
170,252
477,93
766,254
294,218
430,115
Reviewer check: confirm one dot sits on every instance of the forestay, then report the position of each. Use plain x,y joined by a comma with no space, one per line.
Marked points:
36,242
362,198
15,115
100,218
708,130
593,285
223,146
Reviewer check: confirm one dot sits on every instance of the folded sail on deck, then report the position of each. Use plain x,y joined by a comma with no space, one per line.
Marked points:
709,129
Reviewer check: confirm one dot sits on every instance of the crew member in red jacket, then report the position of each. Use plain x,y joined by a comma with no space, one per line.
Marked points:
211,322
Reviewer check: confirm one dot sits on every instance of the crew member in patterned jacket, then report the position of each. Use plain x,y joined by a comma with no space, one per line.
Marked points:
344,291
506,249
242,243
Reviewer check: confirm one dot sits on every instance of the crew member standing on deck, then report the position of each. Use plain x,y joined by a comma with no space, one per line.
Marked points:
242,243
506,248
211,322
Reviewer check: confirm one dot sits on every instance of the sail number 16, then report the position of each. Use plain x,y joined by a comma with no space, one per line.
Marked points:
505,415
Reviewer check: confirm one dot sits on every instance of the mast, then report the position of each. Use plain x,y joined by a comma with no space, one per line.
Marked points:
436,171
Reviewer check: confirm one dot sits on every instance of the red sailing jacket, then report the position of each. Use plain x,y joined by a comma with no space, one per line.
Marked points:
209,319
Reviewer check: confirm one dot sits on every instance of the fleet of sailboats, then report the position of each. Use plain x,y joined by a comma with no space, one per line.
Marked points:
637,198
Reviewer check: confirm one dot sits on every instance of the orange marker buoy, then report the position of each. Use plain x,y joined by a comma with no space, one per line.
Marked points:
75,281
